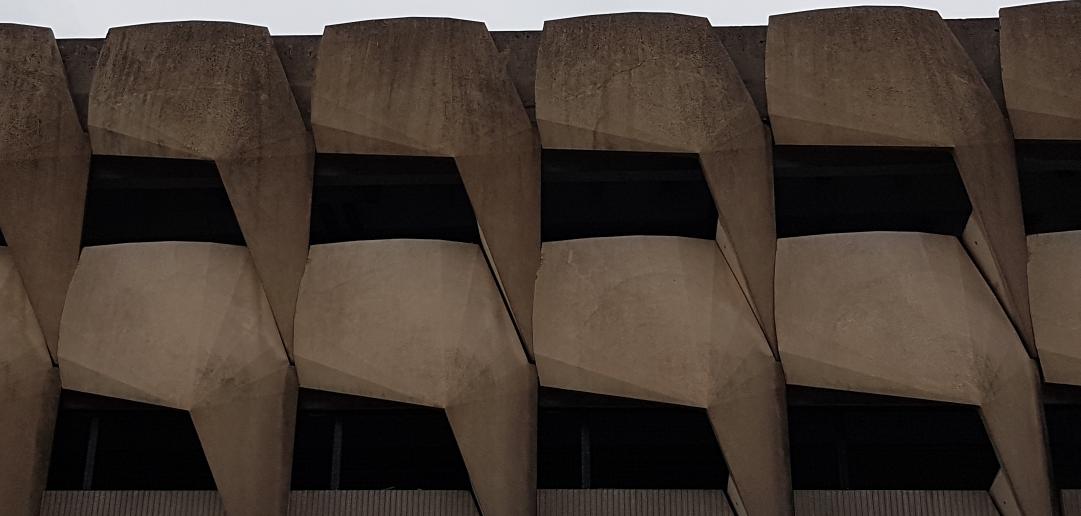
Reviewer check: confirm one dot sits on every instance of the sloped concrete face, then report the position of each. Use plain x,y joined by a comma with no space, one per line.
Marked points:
665,83
1055,288
44,163
438,87
662,319
908,314
1041,69
29,391
897,77
187,326
217,92
422,322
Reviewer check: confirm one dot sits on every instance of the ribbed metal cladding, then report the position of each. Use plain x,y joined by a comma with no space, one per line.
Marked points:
894,503
382,503
553,502
1071,502
131,503
301,503
631,502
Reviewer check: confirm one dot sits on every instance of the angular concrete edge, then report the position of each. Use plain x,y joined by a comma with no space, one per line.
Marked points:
663,319
187,326
29,392
452,96
247,433
942,336
1055,289
1041,69
218,92
422,322
44,164
916,87
665,83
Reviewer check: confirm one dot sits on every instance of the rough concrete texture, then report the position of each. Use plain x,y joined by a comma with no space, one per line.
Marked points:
897,77
664,83
216,91
662,319
29,391
1055,288
1041,68
908,314
747,48
44,163
188,326
298,55
438,87
519,51
422,322
80,59
979,37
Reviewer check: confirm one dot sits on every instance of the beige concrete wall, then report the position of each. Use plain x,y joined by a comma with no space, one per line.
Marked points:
201,327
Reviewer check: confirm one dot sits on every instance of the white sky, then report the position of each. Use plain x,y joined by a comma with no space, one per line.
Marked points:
92,18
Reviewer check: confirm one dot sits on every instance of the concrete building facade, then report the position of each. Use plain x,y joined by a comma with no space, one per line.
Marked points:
627,264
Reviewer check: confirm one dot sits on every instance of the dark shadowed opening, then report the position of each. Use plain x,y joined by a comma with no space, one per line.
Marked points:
844,440
380,197
587,194
133,199
3,242
105,443
1050,176
823,190
356,443
588,441
1062,412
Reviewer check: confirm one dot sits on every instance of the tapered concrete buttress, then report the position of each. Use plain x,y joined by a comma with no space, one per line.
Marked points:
187,326
217,92
1041,68
29,392
44,164
663,319
422,322
898,77
438,87
908,314
665,83
1055,288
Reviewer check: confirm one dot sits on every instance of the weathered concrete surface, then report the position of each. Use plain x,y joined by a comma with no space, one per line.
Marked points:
29,391
438,87
298,55
1041,68
187,326
662,319
216,91
422,322
897,77
1055,287
747,48
80,59
44,163
908,314
518,50
979,37
664,83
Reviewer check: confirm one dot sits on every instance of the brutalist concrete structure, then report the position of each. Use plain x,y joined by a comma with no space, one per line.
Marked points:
415,267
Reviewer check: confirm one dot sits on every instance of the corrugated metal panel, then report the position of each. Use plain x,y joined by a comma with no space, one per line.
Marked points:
302,503
1071,502
894,503
131,503
382,503
631,502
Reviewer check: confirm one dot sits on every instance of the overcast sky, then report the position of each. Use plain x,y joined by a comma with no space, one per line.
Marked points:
92,18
